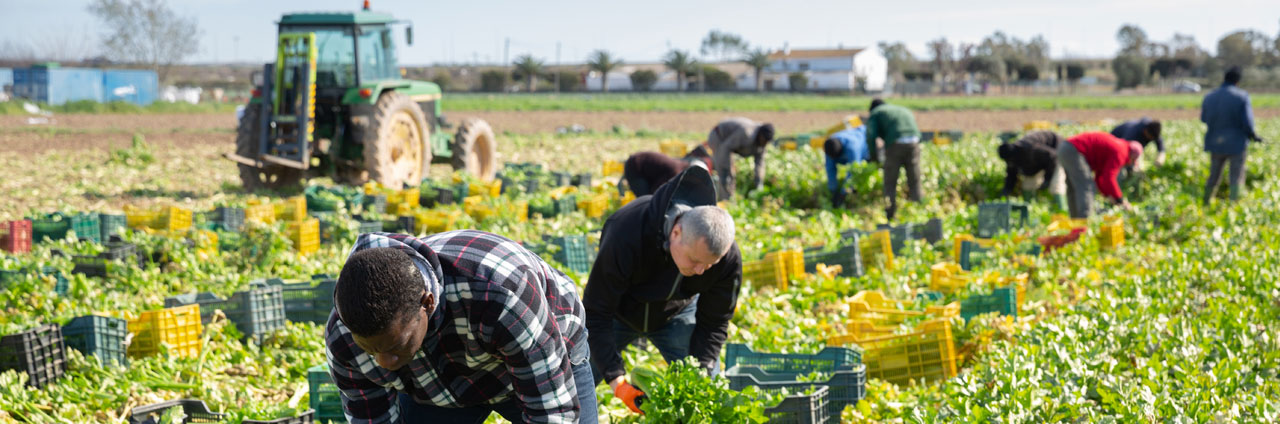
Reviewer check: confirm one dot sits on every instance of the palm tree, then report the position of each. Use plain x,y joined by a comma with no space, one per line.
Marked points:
528,67
603,62
681,62
758,59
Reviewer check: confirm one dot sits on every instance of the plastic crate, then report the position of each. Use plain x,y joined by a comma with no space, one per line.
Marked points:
228,218
925,355
92,266
15,236
262,213
931,231
1019,281
960,239
583,180
349,197
308,301
610,168
87,227
177,327
305,235
973,254
948,277
1002,300
561,179
38,352
368,226
802,408
898,235
876,250
103,264
171,218
325,398
112,225
770,271
482,189
846,387
375,203
53,226
573,253
437,221
793,260
98,336
1050,242
195,411
874,308
256,312
996,218
829,359
291,208
307,417
593,206
1111,233
674,148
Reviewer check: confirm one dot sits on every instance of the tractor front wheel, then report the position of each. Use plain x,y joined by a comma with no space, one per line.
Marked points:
474,149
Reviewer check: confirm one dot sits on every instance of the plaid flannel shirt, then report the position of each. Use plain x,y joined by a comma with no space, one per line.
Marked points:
505,327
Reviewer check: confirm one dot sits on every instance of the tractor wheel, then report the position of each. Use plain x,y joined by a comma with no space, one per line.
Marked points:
270,176
396,143
474,149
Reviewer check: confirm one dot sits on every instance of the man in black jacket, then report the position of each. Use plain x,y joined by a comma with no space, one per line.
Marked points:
1034,161
669,271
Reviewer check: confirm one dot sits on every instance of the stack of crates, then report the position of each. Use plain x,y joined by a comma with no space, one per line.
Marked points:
674,148
15,236
574,252
179,328
39,353
98,336
1002,300
305,235
925,355
871,314
774,372
770,271
111,225
325,399
998,217
948,277
256,312
877,251
307,301
792,261
610,168
593,205
1111,233
170,219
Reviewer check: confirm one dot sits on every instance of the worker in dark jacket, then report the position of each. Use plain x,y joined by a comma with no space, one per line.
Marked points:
896,125
1144,131
669,271
645,171
843,148
744,137
1229,115
1034,160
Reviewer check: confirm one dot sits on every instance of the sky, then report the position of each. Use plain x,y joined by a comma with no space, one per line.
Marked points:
641,32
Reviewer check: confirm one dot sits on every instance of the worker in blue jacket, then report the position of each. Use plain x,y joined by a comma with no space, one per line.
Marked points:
843,148
1228,113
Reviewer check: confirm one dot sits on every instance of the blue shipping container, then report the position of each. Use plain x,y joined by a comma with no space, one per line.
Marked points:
55,86
127,85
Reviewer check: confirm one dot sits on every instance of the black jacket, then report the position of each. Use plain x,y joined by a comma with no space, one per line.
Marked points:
1036,152
635,281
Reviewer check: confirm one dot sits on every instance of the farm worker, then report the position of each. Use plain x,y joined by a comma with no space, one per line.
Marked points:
896,125
668,271
1102,154
1228,113
645,171
453,327
1034,160
745,137
843,148
1144,131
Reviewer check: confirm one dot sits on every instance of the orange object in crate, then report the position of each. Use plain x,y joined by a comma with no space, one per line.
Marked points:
305,235
177,327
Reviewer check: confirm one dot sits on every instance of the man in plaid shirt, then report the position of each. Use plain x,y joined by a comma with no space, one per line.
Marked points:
456,326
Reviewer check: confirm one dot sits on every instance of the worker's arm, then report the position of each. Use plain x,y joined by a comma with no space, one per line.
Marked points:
604,292
1108,185
873,132
722,159
1049,172
1248,120
833,181
758,179
716,307
1010,179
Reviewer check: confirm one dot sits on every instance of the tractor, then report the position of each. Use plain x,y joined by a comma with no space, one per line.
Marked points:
334,103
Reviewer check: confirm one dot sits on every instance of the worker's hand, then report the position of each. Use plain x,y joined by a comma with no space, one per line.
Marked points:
630,395
1257,139
1160,159
1124,203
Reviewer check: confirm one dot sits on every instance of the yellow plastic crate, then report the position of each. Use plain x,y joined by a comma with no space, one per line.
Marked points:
788,145
941,138
262,213
770,271
876,250
472,200
1061,223
792,260
559,192
594,206
1111,233
961,238
673,148
925,355
374,187
206,242
872,306
305,235
489,189
291,209
169,218
610,168
403,202
178,327
519,211
437,221
948,277
478,211
1039,125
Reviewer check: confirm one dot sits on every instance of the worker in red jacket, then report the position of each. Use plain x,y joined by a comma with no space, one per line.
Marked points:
1101,154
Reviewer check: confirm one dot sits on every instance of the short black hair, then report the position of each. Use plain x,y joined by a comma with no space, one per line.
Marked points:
376,287
832,147
1233,75
765,133
1153,128
875,103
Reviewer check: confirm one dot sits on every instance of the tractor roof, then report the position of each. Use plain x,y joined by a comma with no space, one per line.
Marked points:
337,18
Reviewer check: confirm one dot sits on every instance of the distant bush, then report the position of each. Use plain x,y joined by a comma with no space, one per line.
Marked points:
717,80
797,81
494,81
643,80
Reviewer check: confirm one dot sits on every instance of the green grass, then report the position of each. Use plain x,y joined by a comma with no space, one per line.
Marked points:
810,102
90,107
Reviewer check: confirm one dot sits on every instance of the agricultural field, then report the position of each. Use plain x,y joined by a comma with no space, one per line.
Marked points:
1179,323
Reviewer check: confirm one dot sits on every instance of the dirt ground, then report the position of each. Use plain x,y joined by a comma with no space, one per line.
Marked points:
182,131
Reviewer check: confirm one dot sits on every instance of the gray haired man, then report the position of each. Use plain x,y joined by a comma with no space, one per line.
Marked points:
669,271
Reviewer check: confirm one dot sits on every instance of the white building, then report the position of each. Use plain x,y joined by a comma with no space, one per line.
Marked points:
825,69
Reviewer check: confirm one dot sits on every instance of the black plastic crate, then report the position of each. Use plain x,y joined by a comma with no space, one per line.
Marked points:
445,196
375,203
39,352
92,266
831,358
227,218
98,336
583,180
256,312
406,224
307,417
308,301
848,257
847,387
801,408
566,204
561,179
931,231
195,410
112,225
369,226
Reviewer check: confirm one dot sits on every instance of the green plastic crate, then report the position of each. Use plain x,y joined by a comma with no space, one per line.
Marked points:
998,217
573,252
847,387
308,301
325,399
830,359
1003,300
112,225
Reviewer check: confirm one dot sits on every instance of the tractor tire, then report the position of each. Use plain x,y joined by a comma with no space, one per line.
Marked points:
474,149
396,141
270,176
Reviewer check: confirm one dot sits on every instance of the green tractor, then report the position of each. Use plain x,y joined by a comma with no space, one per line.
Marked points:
334,104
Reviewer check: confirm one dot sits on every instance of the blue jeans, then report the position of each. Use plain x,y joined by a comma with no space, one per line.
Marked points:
412,412
672,339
